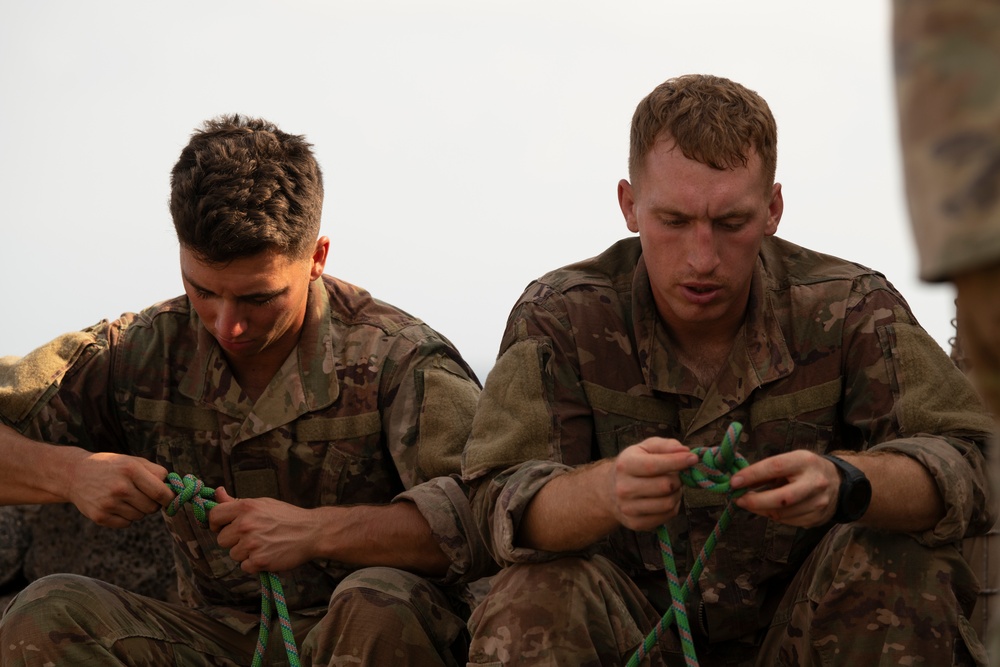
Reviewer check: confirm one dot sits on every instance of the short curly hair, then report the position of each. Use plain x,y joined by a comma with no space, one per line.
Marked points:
242,186
712,119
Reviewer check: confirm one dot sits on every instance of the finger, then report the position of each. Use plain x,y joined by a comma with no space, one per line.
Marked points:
150,483
224,514
774,469
654,465
663,446
222,496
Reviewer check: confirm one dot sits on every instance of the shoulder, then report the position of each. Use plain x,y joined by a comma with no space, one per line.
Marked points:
789,266
612,269
353,306
605,279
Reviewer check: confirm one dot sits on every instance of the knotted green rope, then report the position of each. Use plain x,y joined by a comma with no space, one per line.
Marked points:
190,489
715,467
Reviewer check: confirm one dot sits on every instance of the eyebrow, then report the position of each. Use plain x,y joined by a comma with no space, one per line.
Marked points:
254,296
727,215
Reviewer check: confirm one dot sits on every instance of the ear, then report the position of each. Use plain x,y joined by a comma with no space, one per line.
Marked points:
626,201
774,210
319,256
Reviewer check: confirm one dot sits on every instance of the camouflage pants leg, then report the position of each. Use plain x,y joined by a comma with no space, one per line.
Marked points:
874,598
383,616
66,619
583,612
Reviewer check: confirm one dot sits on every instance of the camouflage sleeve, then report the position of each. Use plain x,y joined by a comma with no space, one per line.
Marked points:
947,61
533,422
907,396
60,393
428,399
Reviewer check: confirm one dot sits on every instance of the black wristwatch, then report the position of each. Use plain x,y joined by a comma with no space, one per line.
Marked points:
855,491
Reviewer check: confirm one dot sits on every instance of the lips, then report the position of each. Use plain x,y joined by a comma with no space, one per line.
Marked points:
700,293
234,345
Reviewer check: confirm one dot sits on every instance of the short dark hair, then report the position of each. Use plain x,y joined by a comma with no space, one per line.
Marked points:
242,186
713,120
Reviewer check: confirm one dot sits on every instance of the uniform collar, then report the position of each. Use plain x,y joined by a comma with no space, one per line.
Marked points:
759,355
305,382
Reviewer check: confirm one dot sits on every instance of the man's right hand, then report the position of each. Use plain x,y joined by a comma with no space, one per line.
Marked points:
646,484
114,490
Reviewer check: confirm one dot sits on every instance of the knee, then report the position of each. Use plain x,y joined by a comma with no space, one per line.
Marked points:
54,596
380,588
869,560
389,596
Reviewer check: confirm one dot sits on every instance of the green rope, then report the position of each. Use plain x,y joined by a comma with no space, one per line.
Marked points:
191,490
715,467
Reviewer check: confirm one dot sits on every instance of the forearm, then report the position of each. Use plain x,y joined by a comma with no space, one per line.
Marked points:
905,497
571,512
34,472
395,535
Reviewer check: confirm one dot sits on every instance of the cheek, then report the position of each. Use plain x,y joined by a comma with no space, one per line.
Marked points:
206,314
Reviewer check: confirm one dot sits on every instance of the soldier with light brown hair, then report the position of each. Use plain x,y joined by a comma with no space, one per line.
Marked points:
619,374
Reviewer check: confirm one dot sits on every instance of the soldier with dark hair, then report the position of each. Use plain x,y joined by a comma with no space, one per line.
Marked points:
330,424
863,441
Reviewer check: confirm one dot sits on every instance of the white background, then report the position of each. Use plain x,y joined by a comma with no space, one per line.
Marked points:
467,146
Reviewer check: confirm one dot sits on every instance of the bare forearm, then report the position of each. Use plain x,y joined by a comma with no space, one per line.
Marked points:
905,497
395,535
571,512
33,472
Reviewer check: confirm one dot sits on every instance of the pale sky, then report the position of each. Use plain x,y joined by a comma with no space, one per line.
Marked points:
467,147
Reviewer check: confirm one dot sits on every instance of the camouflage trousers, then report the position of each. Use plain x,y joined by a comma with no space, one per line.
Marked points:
376,616
861,598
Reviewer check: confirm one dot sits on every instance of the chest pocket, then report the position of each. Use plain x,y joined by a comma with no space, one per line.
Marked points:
344,459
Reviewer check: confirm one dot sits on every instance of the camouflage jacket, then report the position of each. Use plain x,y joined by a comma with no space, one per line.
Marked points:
829,357
947,60
372,407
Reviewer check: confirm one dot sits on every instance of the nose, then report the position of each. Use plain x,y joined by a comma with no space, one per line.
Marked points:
703,251
229,321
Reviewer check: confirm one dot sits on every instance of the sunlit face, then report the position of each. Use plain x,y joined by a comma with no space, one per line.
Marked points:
253,306
700,229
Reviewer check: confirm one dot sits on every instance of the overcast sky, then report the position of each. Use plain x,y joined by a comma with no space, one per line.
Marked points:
467,147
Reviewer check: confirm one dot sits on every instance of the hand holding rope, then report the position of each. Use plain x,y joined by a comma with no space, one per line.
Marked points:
191,490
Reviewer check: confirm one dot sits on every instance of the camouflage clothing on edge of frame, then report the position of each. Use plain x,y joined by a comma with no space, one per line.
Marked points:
829,357
947,60
371,405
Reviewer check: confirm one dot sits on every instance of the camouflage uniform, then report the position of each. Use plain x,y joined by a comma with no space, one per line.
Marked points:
371,406
829,357
947,59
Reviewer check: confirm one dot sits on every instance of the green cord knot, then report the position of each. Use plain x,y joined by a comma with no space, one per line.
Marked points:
190,489
717,465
